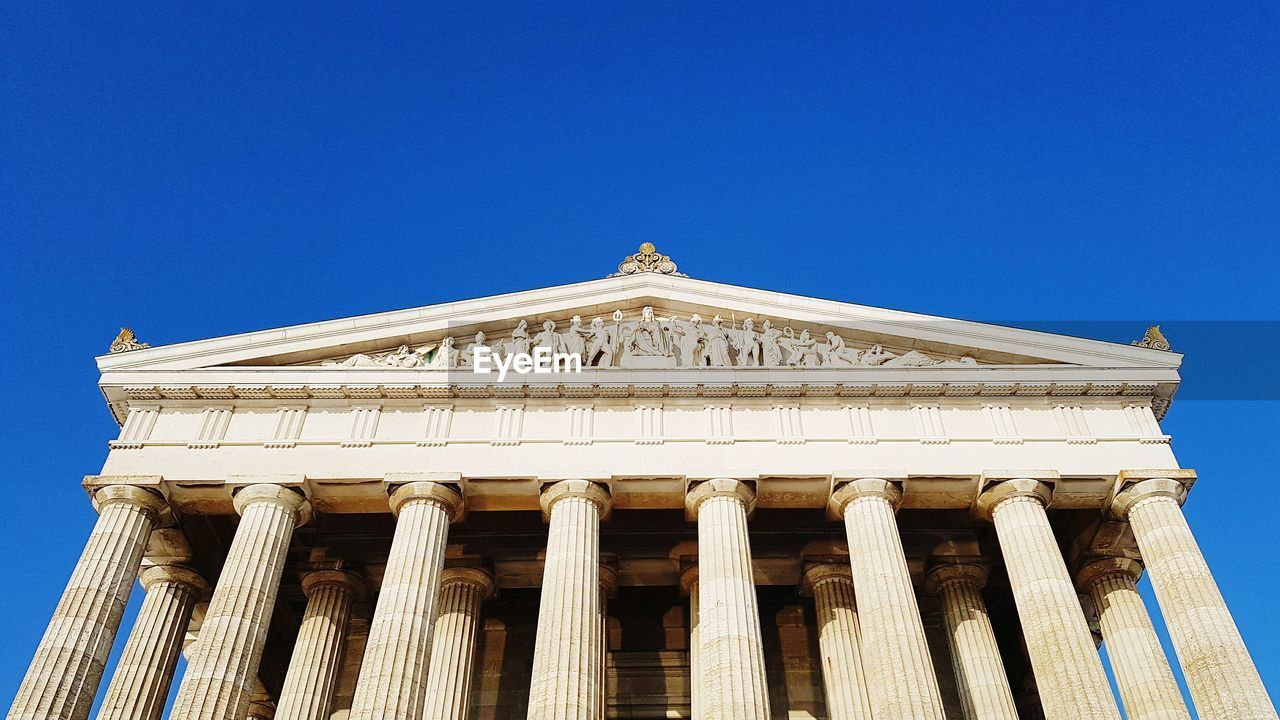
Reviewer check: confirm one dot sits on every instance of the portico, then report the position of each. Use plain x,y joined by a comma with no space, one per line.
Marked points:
872,514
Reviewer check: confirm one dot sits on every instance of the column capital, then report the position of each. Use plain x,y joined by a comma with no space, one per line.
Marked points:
592,492
998,490
955,572
148,501
821,573
317,579
478,578
688,578
608,580
866,488
175,574
1134,491
289,498
720,487
439,494
1102,568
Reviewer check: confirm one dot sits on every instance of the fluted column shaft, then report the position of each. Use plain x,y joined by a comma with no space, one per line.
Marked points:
981,680
608,587
566,654
393,675
1147,686
1223,680
689,585
1069,674
64,674
453,649
895,655
223,669
144,673
839,642
317,653
731,645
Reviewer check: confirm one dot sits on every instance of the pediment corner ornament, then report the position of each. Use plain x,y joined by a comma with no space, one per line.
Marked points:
647,260
1153,339
126,341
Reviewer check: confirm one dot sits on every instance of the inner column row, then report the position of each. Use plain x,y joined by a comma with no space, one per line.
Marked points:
568,677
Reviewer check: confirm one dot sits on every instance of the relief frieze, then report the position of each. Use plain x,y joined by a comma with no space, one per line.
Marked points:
653,342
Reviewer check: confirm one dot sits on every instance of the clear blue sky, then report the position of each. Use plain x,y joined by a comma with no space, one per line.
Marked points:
197,171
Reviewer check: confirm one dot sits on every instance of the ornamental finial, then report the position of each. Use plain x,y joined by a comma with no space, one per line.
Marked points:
648,259
125,342
1153,339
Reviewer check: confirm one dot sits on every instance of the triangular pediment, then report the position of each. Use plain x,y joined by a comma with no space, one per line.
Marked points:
872,337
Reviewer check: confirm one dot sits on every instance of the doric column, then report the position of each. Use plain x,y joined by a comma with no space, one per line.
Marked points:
895,655
223,668
566,654
64,674
838,641
732,654
689,586
981,681
313,668
140,686
453,649
393,676
1142,671
1222,678
1069,674
608,588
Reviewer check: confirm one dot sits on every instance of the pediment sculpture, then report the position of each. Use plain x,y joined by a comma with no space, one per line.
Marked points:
653,342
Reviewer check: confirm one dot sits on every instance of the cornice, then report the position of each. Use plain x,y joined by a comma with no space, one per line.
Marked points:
1060,381
389,327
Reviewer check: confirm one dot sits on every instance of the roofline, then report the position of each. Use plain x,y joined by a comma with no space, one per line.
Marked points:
265,339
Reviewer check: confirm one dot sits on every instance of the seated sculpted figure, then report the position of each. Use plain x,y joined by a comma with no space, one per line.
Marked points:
445,356
837,353
804,351
468,356
645,338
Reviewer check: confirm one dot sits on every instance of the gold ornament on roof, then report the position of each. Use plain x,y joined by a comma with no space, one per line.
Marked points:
1153,339
126,341
648,259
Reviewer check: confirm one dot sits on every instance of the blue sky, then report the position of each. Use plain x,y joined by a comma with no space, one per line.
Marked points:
197,171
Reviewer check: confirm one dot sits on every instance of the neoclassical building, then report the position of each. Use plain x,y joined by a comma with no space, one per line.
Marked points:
745,505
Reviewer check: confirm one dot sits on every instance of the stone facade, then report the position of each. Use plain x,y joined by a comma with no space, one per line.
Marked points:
796,508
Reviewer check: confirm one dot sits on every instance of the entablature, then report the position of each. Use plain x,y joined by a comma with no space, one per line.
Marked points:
123,389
